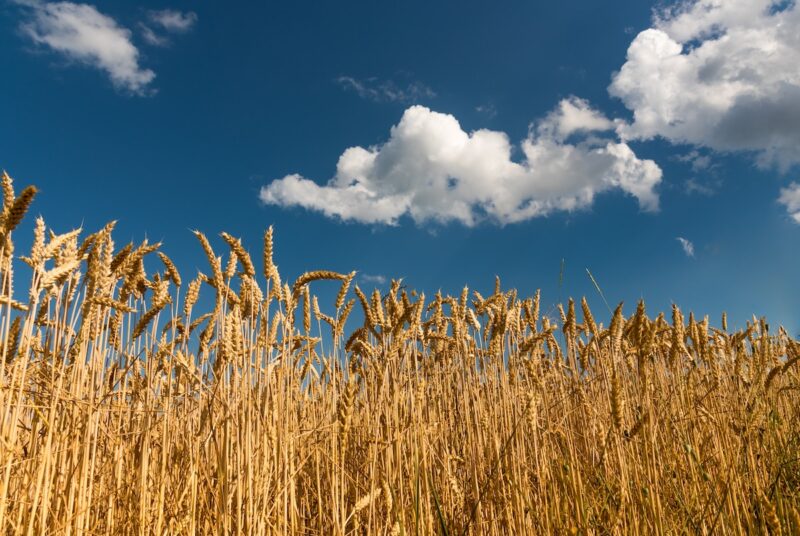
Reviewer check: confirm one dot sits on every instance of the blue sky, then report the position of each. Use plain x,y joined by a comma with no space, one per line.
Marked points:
441,142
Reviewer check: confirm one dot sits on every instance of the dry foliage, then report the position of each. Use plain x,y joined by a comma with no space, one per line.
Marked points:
125,411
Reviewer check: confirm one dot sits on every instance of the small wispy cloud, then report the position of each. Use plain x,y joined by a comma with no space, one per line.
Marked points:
790,198
687,246
151,37
375,279
694,186
489,110
169,21
378,90
173,20
699,161
706,180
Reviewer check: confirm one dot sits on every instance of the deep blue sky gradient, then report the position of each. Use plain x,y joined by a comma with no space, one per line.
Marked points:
249,95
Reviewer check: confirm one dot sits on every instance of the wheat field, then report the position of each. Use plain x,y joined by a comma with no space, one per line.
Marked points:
126,410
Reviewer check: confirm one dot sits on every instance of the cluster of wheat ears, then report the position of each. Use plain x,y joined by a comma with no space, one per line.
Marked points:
125,411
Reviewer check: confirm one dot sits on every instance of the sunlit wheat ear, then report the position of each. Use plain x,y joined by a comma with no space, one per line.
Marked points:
588,319
345,410
242,255
172,271
306,310
345,314
8,350
267,253
615,329
377,307
17,210
365,306
230,266
342,294
192,295
315,275
366,500
8,189
213,260
770,516
114,304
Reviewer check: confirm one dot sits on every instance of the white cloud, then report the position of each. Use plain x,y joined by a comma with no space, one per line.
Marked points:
169,21
152,37
431,169
81,33
707,179
376,279
386,90
723,74
687,246
698,161
172,20
572,116
790,198
489,110
694,186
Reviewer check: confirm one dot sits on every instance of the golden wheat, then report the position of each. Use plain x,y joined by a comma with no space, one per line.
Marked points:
122,414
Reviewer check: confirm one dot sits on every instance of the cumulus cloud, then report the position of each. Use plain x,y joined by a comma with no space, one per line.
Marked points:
81,33
431,169
386,90
790,198
687,246
724,74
